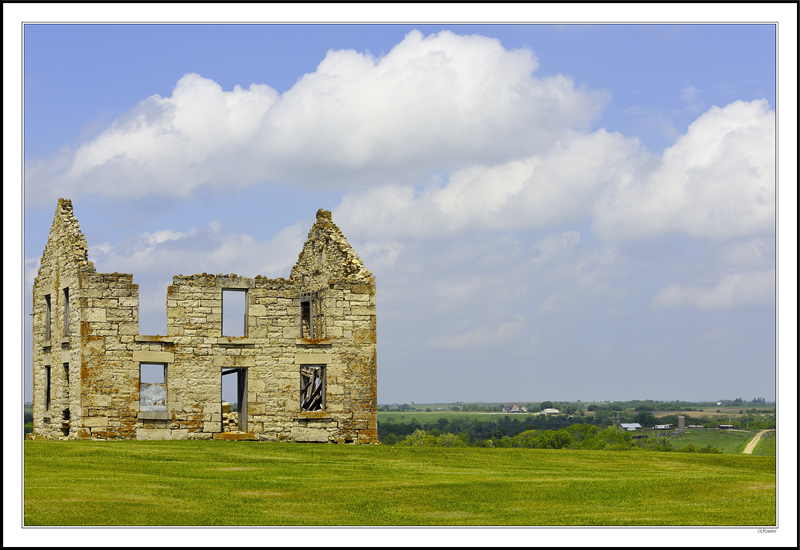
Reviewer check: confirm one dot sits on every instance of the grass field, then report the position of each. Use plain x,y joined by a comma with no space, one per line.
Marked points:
727,441
213,483
767,445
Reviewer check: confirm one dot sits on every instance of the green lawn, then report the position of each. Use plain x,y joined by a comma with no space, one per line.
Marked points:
258,483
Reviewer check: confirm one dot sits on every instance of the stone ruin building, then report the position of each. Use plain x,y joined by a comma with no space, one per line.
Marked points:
305,367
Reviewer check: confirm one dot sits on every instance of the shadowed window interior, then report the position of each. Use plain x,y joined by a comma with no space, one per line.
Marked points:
47,387
66,312
48,311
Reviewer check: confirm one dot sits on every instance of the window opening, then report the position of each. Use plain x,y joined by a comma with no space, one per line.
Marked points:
66,312
65,416
234,312
47,387
65,423
312,388
153,387
312,322
65,412
234,420
47,313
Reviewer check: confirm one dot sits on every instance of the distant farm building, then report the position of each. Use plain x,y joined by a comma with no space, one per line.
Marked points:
726,426
630,426
514,409
662,426
551,411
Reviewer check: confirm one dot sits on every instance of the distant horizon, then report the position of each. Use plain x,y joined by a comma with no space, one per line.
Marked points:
714,401
702,401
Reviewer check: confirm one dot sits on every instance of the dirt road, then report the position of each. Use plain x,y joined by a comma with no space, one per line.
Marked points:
751,445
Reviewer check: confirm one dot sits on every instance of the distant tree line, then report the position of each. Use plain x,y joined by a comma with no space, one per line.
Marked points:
575,436
476,429
27,423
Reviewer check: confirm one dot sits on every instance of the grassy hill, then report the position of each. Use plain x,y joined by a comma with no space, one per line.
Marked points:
258,483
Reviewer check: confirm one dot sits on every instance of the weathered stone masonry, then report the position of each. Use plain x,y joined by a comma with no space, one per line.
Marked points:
305,366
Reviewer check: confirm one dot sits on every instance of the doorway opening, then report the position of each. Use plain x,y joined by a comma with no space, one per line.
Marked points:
233,394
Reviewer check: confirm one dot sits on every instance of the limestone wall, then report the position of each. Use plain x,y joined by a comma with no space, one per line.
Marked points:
56,335
109,312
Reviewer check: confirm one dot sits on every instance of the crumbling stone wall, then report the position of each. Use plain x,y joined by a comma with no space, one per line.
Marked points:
267,359
56,329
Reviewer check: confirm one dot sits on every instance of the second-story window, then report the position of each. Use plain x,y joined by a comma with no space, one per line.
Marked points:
312,321
48,309
234,312
66,312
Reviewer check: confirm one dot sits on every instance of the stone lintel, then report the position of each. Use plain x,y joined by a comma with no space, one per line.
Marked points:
234,282
153,357
311,358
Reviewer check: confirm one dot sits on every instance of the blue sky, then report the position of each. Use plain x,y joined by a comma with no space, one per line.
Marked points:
552,212
495,178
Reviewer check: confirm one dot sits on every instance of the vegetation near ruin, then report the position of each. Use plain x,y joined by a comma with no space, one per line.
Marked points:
212,483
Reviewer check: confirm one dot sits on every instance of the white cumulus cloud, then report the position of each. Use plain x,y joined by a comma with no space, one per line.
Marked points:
431,103
558,186
716,182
